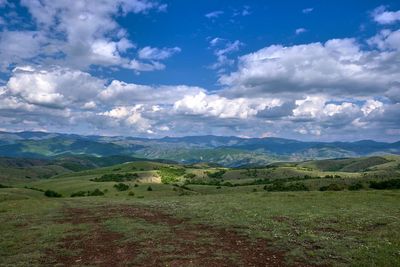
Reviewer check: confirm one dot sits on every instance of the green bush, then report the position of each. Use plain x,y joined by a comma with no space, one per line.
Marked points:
170,174
116,177
355,186
51,193
389,184
34,188
216,175
121,187
95,192
79,194
332,187
204,182
280,186
131,193
228,184
4,186
149,188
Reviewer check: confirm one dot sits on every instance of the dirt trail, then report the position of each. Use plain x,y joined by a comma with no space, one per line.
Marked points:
186,244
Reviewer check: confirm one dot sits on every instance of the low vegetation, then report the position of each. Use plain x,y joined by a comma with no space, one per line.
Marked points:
121,187
116,177
332,187
51,193
216,175
280,186
95,192
389,184
171,174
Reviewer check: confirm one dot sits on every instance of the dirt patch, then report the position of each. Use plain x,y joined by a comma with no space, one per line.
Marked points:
95,247
190,245
246,252
281,219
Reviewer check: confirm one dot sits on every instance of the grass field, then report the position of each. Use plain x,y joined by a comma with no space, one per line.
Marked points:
185,223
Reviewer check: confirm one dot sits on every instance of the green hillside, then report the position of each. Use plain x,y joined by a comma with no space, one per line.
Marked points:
346,165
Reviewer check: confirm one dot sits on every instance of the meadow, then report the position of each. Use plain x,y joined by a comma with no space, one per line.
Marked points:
159,214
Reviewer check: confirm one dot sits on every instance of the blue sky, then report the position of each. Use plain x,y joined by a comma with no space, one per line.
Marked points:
267,22
309,70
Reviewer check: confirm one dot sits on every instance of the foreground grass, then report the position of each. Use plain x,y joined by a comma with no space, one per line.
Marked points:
26,226
335,228
338,228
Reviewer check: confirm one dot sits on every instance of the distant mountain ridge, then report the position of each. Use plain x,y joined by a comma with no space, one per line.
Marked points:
225,150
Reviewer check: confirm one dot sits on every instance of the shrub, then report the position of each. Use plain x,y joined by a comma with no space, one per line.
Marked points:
218,187
227,184
121,187
280,186
170,174
4,186
355,186
204,182
136,185
95,192
216,175
332,187
51,193
388,184
131,193
34,188
149,188
116,177
79,194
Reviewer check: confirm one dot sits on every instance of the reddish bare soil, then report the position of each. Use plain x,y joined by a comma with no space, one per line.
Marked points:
186,244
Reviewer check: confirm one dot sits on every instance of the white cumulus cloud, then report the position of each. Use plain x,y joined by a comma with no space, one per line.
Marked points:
382,16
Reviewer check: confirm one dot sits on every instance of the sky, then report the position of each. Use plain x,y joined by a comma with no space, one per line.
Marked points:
306,70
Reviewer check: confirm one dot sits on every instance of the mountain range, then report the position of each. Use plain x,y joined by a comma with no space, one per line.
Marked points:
227,151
